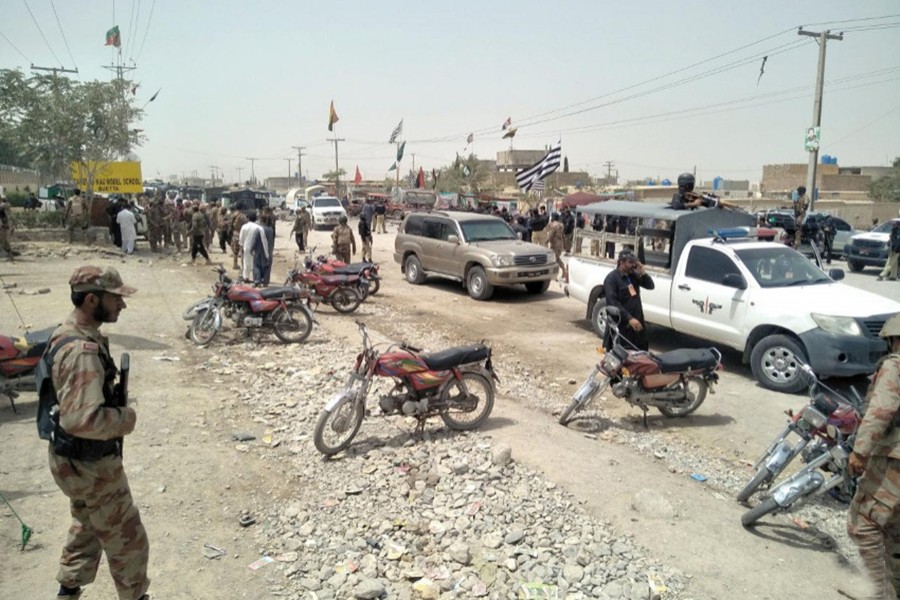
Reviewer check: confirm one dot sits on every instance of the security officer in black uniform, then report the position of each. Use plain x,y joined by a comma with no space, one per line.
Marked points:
622,289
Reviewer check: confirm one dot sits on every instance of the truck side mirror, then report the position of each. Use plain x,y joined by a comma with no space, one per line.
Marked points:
734,280
453,239
836,274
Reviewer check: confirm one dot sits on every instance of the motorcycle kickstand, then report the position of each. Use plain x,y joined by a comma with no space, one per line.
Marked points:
644,408
419,432
12,401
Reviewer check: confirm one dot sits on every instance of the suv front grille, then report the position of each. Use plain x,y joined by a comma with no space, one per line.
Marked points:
531,260
868,243
873,325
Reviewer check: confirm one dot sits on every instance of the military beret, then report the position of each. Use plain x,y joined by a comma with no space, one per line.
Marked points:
95,279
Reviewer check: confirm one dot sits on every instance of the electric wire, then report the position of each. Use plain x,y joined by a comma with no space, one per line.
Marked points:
858,129
130,21
41,31
146,31
61,31
137,20
8,41
851,20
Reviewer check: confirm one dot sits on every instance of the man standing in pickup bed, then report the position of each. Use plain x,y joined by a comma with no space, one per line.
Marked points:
622,289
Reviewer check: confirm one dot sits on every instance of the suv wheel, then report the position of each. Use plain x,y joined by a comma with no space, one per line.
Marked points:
855,267
478,285
413,268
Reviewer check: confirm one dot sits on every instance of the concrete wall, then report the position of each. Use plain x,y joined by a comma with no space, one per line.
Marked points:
846,182
14,179
518,159
786,177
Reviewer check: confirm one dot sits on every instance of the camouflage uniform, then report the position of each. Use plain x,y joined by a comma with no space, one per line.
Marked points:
800,209
169,225
556,239
223,226
178,231
76,215
104,517
342,240
302,225
237,221
155,226
874,520
5,228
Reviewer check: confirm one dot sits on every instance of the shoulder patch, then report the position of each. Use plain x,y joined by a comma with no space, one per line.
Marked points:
91,347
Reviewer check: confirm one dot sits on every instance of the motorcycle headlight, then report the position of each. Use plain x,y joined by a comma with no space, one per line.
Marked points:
611,363
502,261
814,417
838,325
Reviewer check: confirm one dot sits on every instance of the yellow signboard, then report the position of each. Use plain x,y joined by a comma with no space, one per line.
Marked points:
110,177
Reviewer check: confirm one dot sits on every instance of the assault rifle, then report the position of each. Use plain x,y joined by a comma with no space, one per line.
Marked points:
708,200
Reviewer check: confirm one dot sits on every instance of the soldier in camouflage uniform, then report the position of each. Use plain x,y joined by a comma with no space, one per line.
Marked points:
237,221
874,521
342,240
556,239
155,225
86,453
302,225
76,215
169,224
224,228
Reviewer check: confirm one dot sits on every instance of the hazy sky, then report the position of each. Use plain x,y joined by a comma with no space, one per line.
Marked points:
242,79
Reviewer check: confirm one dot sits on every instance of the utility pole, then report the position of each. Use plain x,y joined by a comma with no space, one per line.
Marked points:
252,160
54,70
337,169
299,150
609,165
413,154
289,166
212,174
822,39
239,169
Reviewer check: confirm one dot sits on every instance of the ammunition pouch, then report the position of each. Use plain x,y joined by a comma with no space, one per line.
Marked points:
76,448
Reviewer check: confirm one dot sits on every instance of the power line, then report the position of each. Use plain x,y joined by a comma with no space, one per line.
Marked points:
14,47
41,31
146,31
852,20
857,130
65,41
130,22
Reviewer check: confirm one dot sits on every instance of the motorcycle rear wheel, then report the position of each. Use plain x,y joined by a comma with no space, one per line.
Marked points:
458,408
292,325
344,420
683,410
345,300
760,477
759,511
203,327
374,286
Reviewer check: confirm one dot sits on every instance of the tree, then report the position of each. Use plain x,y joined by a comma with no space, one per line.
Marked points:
464,175
48,122
887,188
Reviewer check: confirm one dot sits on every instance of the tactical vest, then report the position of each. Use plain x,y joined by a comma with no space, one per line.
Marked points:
63,443
343,235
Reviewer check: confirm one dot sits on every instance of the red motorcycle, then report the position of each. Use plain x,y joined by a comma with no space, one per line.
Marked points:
340,291
284,310
19,355
675,382
456,384
369,271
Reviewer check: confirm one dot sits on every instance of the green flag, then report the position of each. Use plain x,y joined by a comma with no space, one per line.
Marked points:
400,151
393,167
113,38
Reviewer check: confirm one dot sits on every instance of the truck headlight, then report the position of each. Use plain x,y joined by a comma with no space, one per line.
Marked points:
503,261
838,325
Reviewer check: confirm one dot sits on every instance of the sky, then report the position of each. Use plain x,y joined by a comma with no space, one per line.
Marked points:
654,87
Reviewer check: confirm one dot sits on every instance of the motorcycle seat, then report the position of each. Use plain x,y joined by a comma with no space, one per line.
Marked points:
280,292
339,279
686,359
453,357
354,267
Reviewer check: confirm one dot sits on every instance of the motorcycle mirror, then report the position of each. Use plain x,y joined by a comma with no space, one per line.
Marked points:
832,431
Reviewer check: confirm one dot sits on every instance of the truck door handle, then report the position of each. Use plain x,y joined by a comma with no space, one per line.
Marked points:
684,287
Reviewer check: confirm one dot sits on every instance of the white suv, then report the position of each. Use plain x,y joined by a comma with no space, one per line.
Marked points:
326,210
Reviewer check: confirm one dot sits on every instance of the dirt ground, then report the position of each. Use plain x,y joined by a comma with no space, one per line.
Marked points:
191,481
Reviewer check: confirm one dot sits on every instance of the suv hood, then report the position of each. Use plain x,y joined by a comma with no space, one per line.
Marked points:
878,237
835,299
513,247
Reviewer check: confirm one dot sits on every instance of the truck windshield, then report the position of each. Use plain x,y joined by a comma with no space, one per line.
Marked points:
780,266
327,202
487,231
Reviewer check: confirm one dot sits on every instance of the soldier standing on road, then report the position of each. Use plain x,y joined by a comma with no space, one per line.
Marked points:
874,520
224,229
6,228
238,220
301,227
538,226
568,222
342,240
155,225
622,289
179,230
380,213
76,214
893,262
801,205
368,214
365,239
86,453
169,225
828,231
199,227
556,239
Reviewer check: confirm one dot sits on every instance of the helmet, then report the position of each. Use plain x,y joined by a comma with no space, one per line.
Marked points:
342,219
554,216
891,327
686,182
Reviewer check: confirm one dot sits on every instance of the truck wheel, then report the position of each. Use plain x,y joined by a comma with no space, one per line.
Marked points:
478,285
414,273
537,287
776,364
597,321
397,214
855,267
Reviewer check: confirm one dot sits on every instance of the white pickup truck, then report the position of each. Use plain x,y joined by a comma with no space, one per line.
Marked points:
761,298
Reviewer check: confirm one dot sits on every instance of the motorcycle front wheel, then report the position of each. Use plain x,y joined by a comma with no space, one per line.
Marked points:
345,300
191,311
695,389
374,286
759,511
581,398
337,427
292,325
760,477
203,327
468,408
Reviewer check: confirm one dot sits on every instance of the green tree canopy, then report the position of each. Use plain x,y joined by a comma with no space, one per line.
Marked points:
887,188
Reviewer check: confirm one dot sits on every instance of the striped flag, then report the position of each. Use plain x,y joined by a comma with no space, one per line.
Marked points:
538,186
547,165
398,131
506,124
